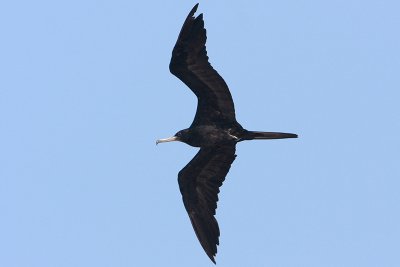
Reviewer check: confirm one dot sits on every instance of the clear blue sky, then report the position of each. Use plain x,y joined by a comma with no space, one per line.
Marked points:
85,91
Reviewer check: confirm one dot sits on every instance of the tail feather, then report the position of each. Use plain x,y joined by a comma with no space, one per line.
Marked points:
250,135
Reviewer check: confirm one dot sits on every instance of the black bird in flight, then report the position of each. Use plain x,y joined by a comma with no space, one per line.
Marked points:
214,129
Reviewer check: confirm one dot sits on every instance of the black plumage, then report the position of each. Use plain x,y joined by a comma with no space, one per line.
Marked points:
214,129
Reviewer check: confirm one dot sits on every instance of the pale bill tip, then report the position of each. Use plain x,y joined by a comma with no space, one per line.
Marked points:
169,139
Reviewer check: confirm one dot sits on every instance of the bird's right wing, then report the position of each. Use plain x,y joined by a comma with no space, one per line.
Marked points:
190,64
199,183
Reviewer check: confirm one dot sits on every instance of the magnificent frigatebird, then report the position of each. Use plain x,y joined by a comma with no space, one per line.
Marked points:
214,129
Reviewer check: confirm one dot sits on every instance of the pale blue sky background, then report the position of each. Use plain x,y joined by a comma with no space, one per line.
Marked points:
85,91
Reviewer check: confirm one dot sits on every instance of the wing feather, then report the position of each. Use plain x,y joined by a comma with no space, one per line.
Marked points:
190,64
199,183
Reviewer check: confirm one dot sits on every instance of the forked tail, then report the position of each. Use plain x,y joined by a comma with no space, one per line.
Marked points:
250,135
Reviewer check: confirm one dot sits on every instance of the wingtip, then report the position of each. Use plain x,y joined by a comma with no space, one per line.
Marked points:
194,9
213,260
212,257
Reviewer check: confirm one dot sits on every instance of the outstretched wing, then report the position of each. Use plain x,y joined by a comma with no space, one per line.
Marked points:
190,64
199,184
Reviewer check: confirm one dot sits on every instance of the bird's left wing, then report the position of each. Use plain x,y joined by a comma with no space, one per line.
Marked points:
199,184
189,62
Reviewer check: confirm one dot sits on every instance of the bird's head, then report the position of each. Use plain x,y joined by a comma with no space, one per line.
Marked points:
181,136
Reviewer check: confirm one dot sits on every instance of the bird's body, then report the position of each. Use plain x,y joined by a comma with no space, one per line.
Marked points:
214,129
207,135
